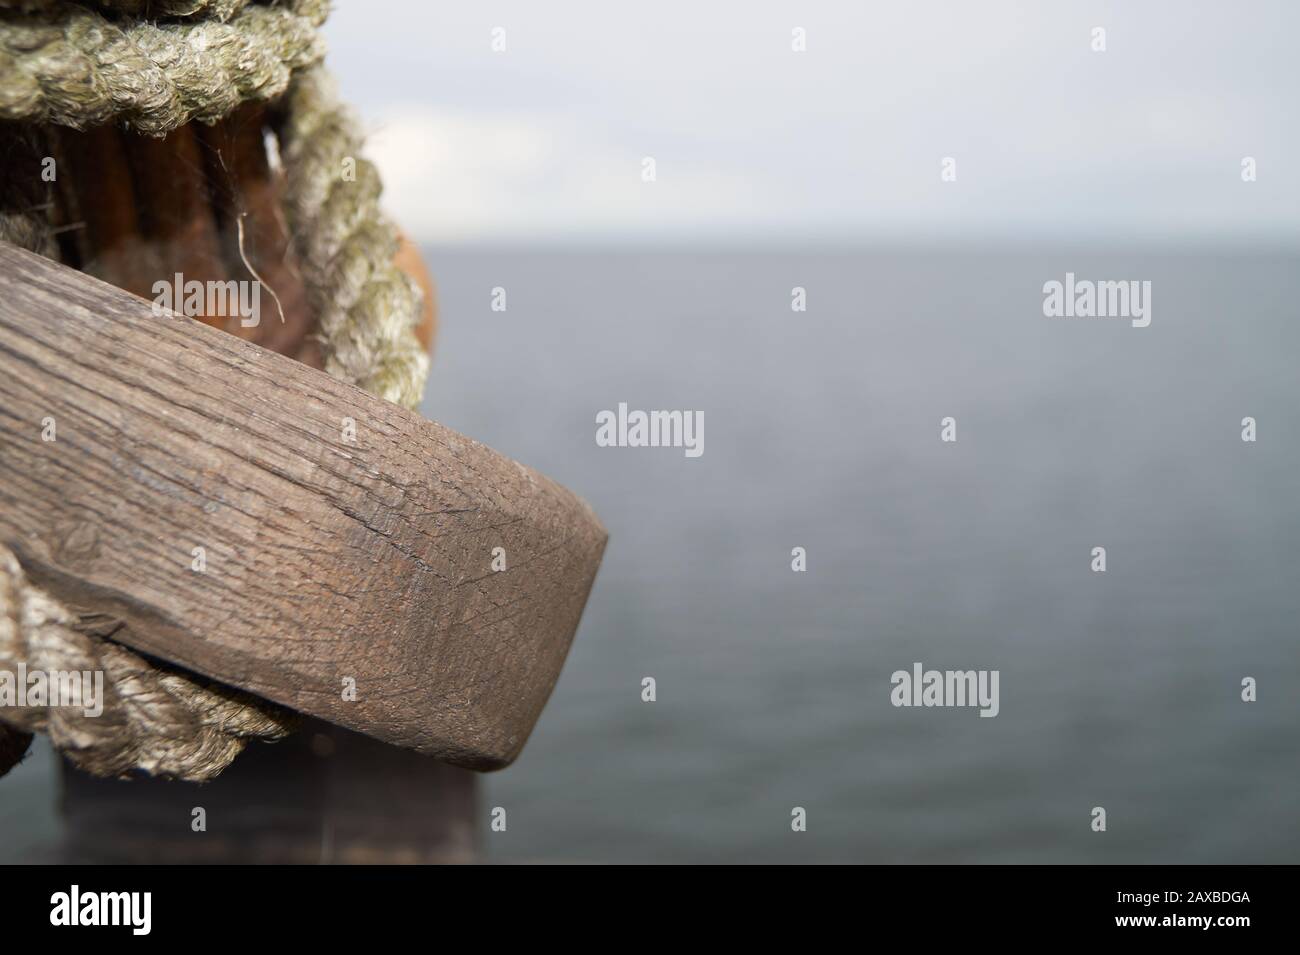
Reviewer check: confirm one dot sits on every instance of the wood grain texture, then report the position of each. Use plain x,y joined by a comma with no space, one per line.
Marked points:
325,559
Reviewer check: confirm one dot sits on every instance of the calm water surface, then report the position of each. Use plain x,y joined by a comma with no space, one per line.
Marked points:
1119,690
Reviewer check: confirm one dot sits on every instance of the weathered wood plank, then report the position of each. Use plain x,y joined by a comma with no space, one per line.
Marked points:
327,559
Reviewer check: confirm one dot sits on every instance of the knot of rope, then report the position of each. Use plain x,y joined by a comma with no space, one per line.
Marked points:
144,717
152,66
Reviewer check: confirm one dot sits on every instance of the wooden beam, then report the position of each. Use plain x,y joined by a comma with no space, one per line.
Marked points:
327,561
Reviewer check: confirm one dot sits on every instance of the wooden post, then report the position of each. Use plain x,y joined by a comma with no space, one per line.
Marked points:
324,795
131,212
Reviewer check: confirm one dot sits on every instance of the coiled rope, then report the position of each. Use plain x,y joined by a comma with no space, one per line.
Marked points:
64,63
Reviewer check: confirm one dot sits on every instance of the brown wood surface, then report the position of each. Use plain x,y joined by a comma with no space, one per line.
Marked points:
324,795
133,210
326,560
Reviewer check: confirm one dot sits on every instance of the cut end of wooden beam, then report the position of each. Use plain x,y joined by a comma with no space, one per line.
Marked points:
258,522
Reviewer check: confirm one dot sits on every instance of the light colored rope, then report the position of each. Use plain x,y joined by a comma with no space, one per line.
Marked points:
154,718
221,10
73,67
157,718
366,307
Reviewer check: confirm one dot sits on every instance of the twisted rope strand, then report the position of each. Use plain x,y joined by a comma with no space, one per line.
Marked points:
367,308
73,67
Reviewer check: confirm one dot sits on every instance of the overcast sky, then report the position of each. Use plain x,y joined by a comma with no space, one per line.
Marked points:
752,140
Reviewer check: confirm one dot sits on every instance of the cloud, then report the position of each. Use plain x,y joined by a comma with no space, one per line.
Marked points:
454,176
846,139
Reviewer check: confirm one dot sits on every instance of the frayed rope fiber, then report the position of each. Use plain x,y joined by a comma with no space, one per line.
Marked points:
72,66
365,306
65,64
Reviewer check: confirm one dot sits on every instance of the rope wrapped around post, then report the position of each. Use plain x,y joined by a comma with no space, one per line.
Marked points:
152,66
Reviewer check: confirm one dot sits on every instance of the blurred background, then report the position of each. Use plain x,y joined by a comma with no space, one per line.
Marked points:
522,168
